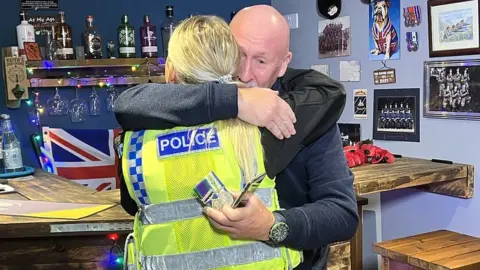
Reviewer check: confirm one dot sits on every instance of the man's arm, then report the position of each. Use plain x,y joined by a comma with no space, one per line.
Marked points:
333,216
164,106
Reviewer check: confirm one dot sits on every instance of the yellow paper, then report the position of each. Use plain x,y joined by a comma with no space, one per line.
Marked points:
77,213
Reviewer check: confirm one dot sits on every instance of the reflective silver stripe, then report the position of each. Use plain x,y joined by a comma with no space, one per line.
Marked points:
185,209
130,239
131,267
213,258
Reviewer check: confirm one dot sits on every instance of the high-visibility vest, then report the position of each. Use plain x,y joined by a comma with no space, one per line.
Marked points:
161,169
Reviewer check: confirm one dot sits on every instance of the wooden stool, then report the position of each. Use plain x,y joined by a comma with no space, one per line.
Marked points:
439,250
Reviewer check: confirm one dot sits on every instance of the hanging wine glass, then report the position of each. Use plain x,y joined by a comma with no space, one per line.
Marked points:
111,97
94,103
57,106
78,109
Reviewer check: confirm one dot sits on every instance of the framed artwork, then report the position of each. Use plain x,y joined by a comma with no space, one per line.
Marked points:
334,37
453,27
350,133
452,89
32,50
397,114
384,30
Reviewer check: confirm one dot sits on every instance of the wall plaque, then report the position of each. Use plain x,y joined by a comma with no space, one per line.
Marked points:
384,76
38,4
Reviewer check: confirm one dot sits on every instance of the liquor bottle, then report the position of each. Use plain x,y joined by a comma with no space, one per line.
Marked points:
11,152
25,33
126,39
148,38
92,40
63,34
168,26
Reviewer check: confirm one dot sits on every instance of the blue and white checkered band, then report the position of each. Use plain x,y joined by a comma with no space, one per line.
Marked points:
183,142
135,167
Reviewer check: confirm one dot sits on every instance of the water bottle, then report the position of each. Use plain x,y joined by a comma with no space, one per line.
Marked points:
11,152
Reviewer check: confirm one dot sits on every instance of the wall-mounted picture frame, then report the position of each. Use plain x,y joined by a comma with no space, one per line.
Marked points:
453,27
334,37
396,114
350,133
384,30
451,89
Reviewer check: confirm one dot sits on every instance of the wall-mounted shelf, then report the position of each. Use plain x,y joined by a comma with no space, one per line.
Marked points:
89,72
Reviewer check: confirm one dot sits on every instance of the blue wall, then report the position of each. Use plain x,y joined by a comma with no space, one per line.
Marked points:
107,15
404,212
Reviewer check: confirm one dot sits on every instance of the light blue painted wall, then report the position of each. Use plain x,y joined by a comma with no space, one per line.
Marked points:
403,212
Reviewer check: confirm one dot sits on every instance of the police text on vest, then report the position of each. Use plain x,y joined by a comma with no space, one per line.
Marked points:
187,141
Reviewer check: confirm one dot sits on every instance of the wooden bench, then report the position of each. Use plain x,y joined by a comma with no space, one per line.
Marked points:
438,250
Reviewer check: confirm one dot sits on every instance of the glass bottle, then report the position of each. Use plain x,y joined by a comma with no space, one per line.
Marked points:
126,39
92,40
148,38
168,26
11,151
63,34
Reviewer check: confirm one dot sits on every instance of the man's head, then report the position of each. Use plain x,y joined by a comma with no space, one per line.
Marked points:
263,36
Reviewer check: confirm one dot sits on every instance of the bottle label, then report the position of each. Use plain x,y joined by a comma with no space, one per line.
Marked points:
149,49
12,158
65,51
126,37
94,43
127,49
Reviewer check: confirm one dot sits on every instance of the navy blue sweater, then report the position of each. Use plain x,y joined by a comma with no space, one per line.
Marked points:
315,186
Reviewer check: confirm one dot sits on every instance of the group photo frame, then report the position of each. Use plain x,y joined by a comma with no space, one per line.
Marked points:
451,89
453,27
396,114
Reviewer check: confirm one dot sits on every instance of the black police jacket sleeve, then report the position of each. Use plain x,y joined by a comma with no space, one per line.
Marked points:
332,216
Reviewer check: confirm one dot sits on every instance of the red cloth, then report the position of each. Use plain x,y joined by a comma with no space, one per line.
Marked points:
366,153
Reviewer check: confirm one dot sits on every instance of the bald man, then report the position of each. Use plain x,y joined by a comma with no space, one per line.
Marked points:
313,181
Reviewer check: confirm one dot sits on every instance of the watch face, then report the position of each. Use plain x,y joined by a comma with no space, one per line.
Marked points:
279,232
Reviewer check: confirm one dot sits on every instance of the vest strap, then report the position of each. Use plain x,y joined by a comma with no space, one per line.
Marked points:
186,209
135,169
213,258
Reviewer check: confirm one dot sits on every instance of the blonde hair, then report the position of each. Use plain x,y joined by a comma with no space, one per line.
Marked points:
202,49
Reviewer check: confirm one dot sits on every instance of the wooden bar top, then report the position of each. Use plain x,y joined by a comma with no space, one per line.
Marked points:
447,179
438,250
43,186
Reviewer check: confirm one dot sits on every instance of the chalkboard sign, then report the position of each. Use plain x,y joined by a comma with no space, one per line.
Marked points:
38,4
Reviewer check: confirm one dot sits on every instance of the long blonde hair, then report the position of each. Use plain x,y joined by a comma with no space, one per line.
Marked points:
202,49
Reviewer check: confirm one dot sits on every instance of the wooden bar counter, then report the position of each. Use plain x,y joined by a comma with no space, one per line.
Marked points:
36,243
448,179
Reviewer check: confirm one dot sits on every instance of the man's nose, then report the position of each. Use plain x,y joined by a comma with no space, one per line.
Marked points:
246,74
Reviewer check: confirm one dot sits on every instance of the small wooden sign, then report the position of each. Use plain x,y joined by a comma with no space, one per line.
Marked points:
16,77
384,76
38,4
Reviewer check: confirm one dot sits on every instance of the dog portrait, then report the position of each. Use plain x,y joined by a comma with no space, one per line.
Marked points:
384,43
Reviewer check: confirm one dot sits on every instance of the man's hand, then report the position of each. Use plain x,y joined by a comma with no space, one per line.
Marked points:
264,108
251,222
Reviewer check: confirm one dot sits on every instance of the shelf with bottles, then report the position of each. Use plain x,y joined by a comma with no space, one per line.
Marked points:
89,72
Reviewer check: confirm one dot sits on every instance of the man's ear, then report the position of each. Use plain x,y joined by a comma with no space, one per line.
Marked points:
170,74
285,63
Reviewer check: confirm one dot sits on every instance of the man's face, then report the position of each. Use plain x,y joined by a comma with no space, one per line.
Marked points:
261,61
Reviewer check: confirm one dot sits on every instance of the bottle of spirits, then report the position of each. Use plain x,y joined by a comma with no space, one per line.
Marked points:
168,26
126,39
92,40
148,38
63,34
25,33
11,152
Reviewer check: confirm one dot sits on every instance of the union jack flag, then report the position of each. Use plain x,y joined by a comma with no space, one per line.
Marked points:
86,156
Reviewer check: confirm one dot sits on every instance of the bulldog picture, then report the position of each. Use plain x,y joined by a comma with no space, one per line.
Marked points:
384,33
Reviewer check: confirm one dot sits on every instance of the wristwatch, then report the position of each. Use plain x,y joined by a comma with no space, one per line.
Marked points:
279,230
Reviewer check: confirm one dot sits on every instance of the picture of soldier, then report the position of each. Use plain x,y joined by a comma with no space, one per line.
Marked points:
396,114
350,133
451,89
360,103
334,37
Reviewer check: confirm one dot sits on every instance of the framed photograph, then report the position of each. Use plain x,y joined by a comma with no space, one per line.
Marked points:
453,27
350,133
397,114
32,50
334,37
452,89
384,30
